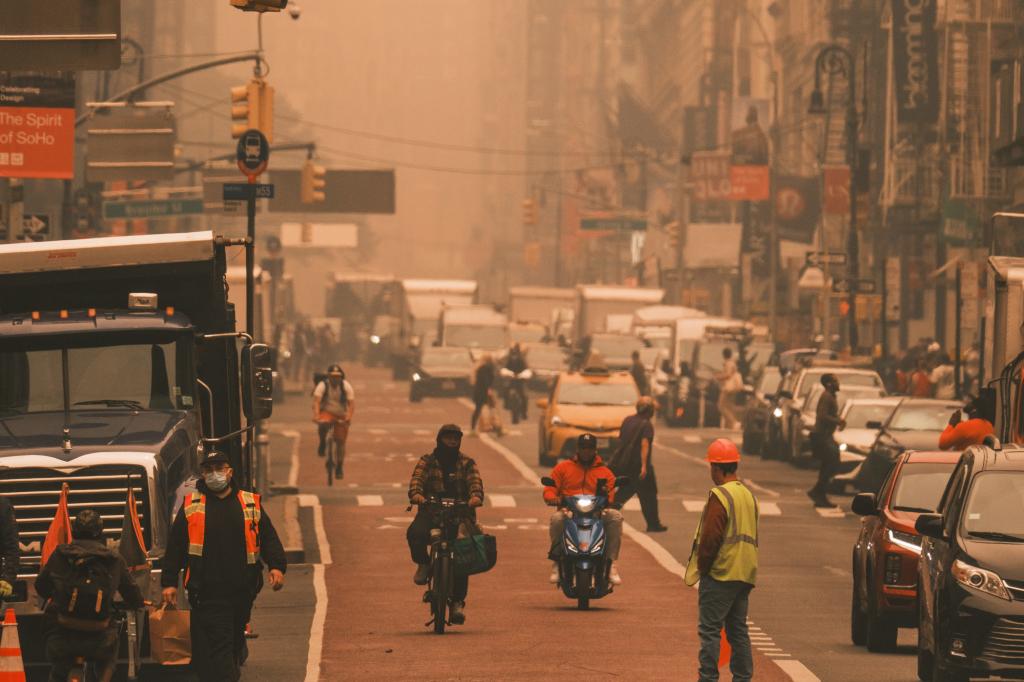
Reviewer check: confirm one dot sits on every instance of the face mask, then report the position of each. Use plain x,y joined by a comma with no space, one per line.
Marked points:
216,480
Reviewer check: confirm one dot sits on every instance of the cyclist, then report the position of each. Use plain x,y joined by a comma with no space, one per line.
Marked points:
67,582
445,472
334,400
516,363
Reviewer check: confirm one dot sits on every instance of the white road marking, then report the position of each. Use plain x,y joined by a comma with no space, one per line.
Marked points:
396,519
316,627
293,466
693,505
797,671
520,520
769,509
761,488
353,485
632,504
385,526
830,512
396,485
421,432
502,500
837,571
774,650
370,500
772,654
313,501
691,439
500,526
693,459
378,432
533,527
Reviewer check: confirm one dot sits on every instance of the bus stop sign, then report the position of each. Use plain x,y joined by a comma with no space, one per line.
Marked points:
252,153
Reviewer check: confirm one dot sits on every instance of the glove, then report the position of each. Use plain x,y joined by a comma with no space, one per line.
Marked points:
6,589
417,499
955,419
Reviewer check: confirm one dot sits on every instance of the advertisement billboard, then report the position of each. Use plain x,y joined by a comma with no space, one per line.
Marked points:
37,126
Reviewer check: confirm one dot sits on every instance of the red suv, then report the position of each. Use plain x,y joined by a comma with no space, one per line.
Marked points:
887,549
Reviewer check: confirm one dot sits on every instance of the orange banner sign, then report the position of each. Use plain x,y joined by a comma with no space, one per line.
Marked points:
37,127
749,183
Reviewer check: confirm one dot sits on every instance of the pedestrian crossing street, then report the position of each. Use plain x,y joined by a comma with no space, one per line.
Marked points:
532,499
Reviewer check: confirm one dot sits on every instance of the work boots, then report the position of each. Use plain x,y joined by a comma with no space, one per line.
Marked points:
456,613
422,576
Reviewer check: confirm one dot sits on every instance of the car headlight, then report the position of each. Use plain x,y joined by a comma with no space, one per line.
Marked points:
416,376
585,505
843,447
557,421
979,579
374,339
907,541
777,413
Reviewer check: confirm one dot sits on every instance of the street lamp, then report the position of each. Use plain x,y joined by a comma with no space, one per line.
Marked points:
835,60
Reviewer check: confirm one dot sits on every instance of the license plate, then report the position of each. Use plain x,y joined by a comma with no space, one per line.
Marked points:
447,385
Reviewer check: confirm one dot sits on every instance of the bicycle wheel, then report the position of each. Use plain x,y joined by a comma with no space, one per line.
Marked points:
440,586
329,461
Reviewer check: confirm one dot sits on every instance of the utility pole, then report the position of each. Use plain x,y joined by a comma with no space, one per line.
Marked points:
682,220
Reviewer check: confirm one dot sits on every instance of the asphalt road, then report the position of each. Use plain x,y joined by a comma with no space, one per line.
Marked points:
366,619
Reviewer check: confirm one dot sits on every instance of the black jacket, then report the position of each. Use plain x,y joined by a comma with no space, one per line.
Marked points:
177,557
9,550
57,571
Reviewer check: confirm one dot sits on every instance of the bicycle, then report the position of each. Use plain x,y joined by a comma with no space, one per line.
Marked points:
125,620
442,560
333,460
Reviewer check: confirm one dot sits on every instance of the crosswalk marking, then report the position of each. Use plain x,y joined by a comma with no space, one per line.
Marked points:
691,439
378,432
633,504
502,500
370,500
500,526
693,505
770,509
830,513
520,520
386,526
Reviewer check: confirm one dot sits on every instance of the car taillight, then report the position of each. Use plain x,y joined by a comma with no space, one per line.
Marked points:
893,563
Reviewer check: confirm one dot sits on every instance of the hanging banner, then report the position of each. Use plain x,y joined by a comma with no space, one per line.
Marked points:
837,190
915,61
37,126
797,206
749,183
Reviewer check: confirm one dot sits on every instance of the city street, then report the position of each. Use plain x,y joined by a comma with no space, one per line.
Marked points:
373,623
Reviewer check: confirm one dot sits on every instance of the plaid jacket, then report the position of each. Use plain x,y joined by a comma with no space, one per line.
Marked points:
428,478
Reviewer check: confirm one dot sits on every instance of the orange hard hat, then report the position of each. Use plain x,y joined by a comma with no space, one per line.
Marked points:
723,451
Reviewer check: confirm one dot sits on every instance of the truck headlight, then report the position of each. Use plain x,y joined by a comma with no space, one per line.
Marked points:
374,339
979,579
416,376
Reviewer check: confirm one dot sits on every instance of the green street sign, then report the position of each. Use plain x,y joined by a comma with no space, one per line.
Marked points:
614,224
151,208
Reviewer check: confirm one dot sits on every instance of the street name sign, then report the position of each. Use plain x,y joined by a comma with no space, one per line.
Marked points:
820,258
614,224
240,191
151,208
860,286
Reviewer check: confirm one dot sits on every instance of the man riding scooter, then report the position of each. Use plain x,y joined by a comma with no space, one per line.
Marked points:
580,476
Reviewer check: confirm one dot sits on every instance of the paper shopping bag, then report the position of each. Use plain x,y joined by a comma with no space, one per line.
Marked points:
170,639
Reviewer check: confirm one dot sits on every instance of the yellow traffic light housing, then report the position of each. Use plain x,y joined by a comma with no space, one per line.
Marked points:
314,181
529,212
252,106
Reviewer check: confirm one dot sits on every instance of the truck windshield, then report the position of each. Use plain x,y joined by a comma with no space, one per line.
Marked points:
475,336
129,371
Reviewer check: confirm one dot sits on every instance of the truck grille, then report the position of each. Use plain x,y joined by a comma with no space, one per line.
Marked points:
34,494
1005,642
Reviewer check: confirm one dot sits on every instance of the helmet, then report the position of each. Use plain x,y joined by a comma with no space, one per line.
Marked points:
336,370
87,525
723,451
450,428
586,440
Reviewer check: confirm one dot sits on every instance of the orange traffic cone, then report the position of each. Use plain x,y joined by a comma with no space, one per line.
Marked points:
11,667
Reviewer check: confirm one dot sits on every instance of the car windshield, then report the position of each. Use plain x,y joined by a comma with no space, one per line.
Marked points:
148,372
995,507
709,354
545,357
597,394
911,417
859,415
526,334
841,397
475,336
770,380
920,485
812,378
458,358
616,346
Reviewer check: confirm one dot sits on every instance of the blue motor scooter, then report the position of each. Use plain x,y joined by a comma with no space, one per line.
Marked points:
583,569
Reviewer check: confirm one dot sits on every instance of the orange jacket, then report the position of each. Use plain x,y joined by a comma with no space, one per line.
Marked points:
572,478
966,433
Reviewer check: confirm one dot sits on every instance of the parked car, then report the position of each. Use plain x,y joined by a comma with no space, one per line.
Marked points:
760,405
856,439
595,401
800,442
915,424
887,549
441,371
795,389
971,571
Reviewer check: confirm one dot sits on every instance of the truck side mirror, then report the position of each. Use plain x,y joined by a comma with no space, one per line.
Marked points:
257,382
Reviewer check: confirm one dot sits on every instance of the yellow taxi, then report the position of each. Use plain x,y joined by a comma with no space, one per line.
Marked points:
593,400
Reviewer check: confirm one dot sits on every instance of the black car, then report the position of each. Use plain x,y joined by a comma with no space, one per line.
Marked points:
915,424
971,571
760,406
440,371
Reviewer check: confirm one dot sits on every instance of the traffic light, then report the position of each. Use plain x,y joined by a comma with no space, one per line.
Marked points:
672,232
252,106
529,212
260,5
314,181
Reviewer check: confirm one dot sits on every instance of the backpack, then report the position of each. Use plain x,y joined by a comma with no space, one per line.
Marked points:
321,378
84,602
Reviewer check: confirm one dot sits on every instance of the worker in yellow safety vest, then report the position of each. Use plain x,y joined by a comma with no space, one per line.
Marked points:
724,560
221,537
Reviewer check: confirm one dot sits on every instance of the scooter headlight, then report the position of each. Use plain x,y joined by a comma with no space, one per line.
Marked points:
416,376
585,504
375,339
777,413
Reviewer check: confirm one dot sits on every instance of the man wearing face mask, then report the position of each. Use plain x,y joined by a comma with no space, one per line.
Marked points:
221,537
445,472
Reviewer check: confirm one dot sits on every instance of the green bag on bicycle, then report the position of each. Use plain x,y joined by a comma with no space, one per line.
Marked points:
475,554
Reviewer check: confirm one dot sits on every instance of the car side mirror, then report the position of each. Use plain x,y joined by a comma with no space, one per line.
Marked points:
787,395
548,481
769,396
542,403
257,382
874,425
865,504
930,525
